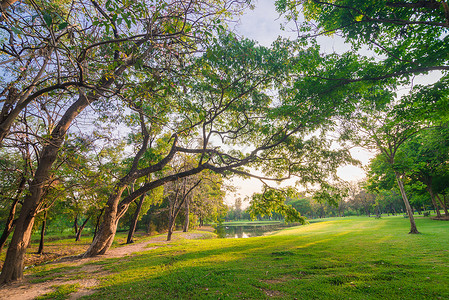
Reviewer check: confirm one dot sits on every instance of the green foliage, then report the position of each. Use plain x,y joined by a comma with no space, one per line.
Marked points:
302,205
426,154
407,38
422,158
273,201
331,194
380,175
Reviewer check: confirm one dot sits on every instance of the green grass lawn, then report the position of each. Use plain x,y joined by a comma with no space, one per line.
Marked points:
348,258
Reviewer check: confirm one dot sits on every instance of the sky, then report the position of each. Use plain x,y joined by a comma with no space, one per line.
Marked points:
263,25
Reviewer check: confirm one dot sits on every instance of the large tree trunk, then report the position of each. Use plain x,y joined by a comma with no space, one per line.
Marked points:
13,266
132,228
187,212
104,238
114,209
40,250
413,229
108,227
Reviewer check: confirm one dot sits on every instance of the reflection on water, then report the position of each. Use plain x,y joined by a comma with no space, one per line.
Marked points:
238,232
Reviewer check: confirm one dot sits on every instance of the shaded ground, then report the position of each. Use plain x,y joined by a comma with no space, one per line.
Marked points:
52,251
443,218
74,271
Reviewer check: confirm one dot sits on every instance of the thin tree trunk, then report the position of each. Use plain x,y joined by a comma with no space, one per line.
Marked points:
187,212
171,224
175,209
443,205
75,225
132,228
413,229
80,230
41,242
435,205
10,222
97,224
6,232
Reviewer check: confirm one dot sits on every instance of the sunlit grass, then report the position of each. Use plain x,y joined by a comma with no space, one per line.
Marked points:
357,258
61,292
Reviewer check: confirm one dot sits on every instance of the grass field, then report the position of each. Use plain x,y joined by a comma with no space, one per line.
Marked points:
348,258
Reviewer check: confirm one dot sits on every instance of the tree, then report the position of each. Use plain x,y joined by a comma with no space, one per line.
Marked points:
302,205
366,201
178,193
411,36
421,157
95,51
274,201
224,104
13,182
390,200
207,200
385,131
238,208
205,105
425,156
132,227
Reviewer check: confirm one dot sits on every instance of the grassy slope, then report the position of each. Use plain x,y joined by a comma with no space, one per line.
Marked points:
351,258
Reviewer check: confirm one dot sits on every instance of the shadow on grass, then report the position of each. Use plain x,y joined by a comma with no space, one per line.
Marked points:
379,262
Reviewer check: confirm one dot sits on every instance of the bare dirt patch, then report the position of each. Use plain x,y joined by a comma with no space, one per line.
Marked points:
278,280
52,251
271,293
442,218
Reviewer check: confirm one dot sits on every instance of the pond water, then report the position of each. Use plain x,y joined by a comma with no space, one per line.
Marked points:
249,230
